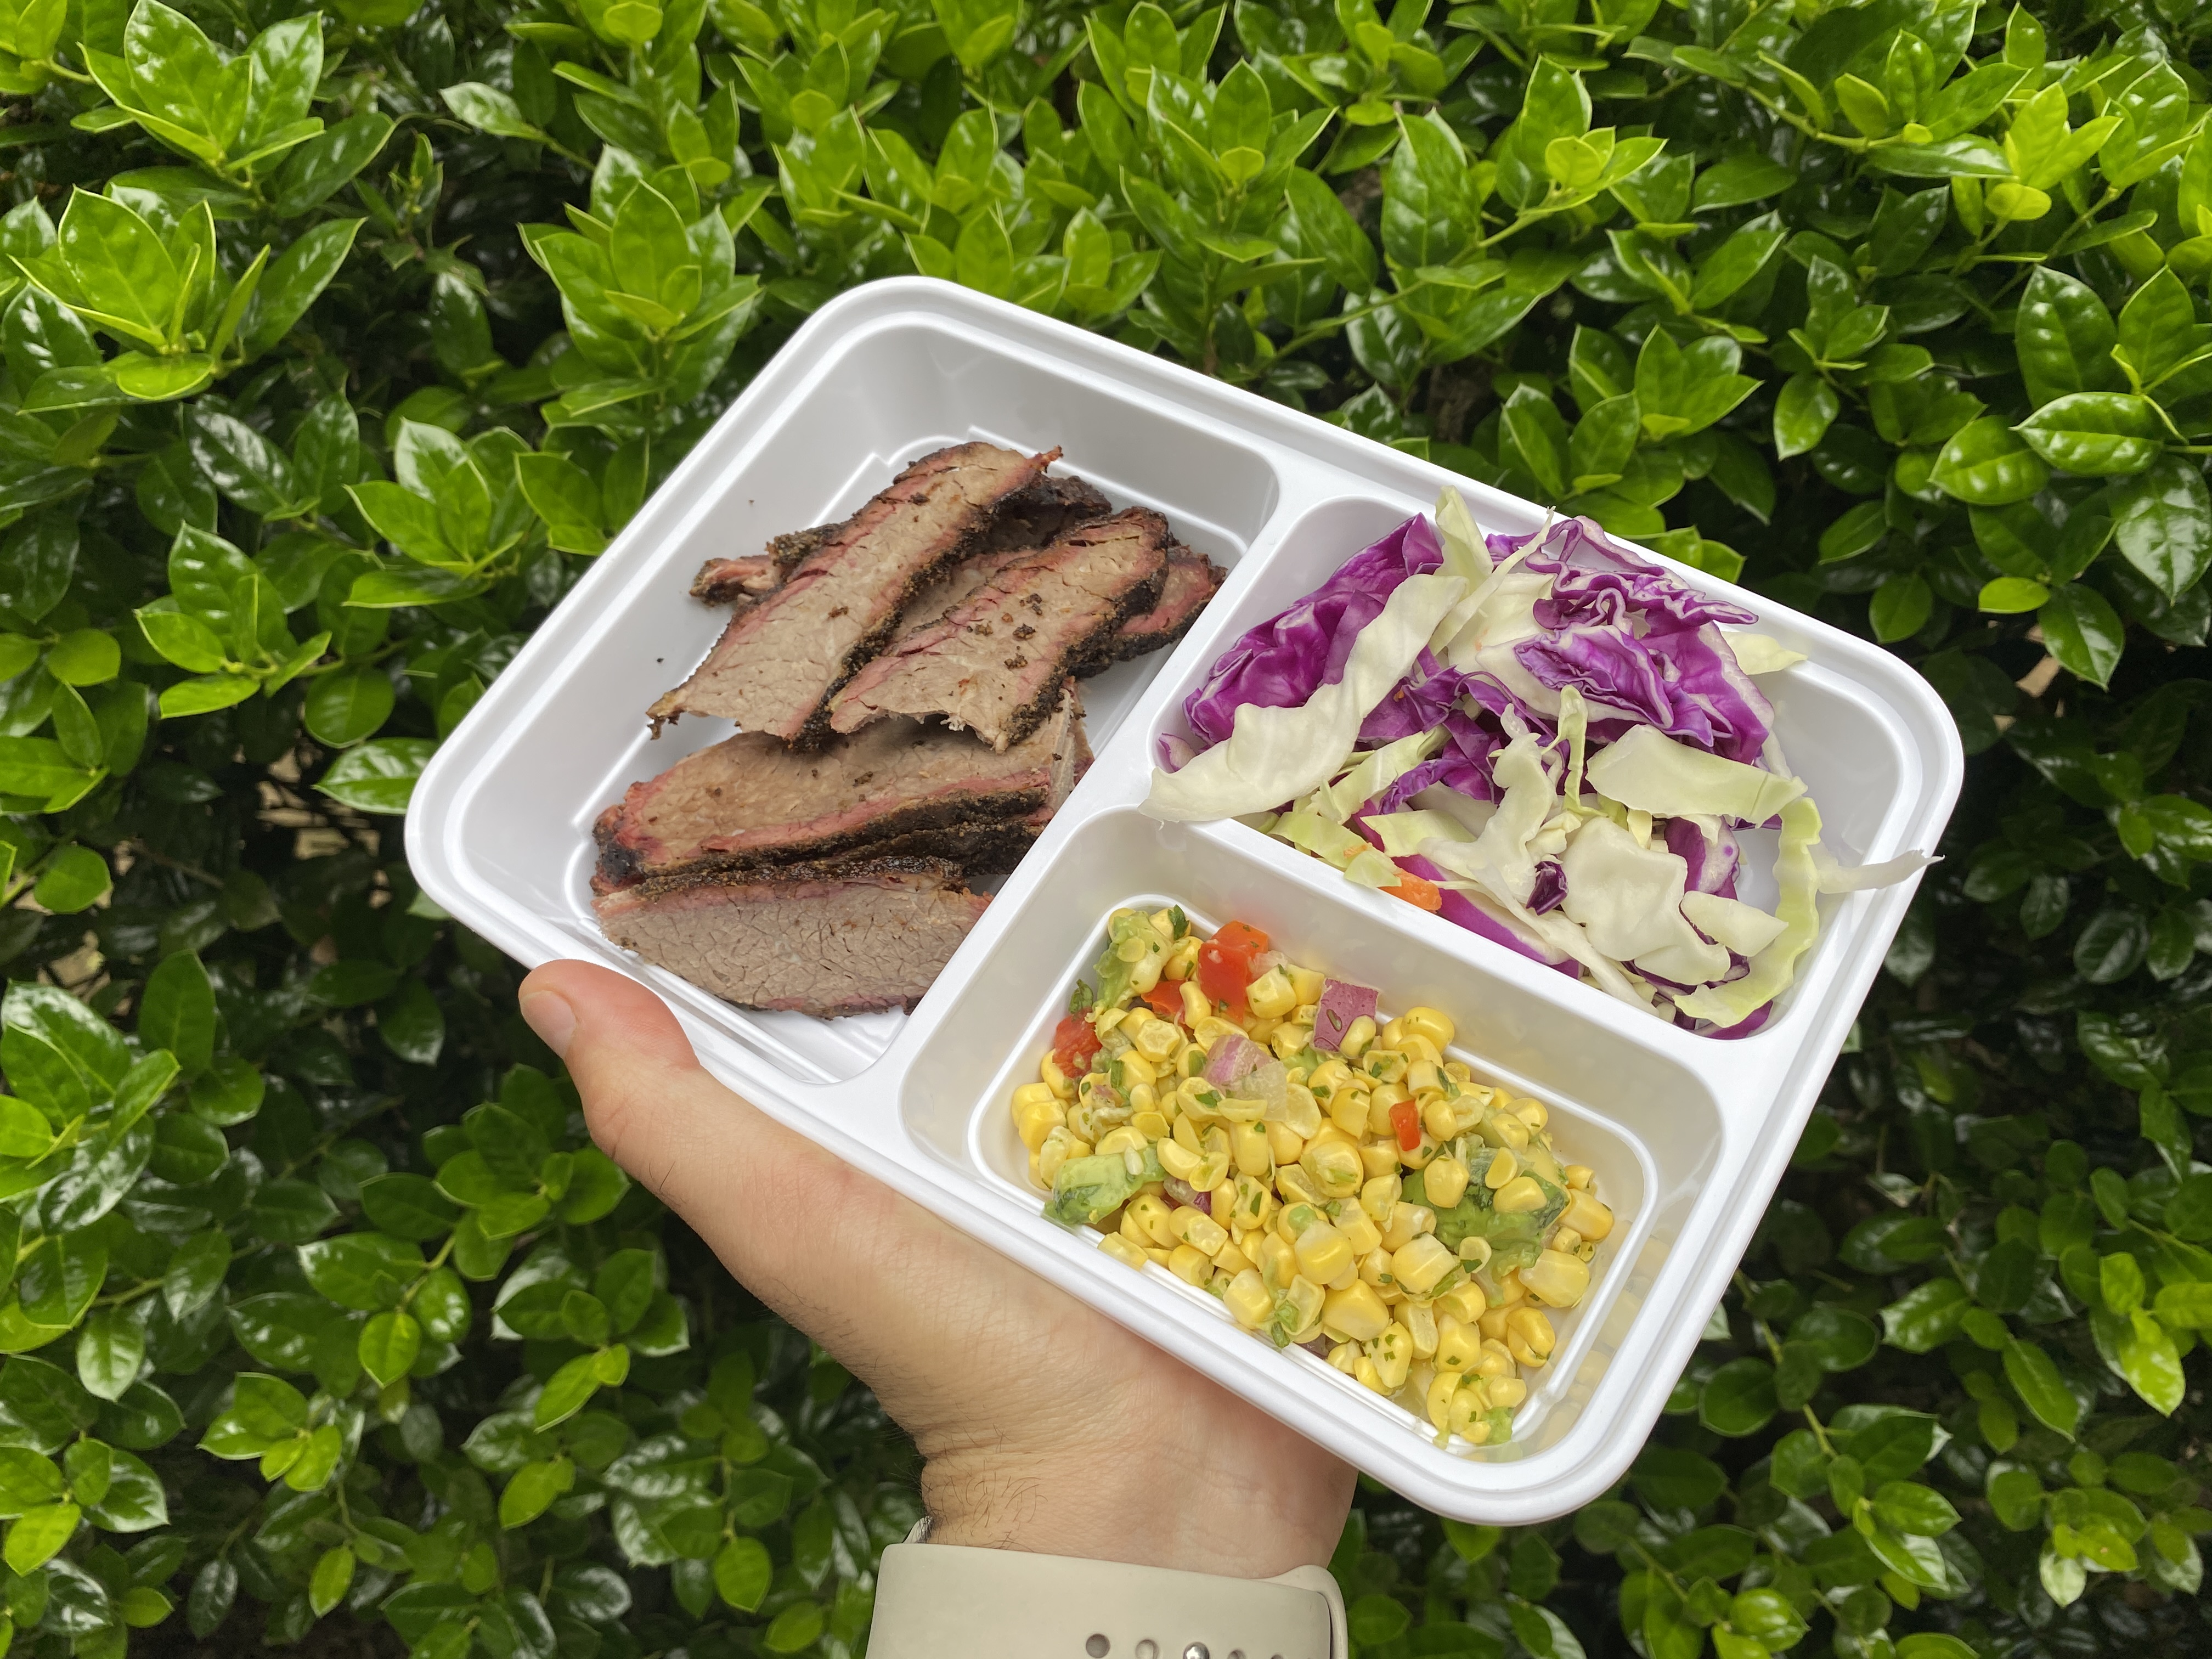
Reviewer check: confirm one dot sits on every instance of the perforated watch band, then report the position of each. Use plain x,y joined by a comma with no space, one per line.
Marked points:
947,1602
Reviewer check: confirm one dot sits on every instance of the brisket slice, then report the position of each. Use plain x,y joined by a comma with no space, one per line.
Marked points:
1192,580
995,663
1029,517
752,800
845,938
779,661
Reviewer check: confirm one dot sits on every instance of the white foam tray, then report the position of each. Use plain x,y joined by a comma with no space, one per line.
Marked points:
1689,1136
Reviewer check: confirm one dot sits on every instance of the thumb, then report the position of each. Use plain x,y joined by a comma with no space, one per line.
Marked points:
757,1193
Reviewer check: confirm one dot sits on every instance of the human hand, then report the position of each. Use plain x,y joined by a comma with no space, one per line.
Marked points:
1043,1426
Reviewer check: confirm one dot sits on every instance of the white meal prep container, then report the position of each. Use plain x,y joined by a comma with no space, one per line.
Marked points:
1689,1136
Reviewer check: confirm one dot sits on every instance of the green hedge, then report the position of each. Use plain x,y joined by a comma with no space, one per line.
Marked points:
325,1315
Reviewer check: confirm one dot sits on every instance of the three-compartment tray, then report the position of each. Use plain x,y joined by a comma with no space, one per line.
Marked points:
1689,1136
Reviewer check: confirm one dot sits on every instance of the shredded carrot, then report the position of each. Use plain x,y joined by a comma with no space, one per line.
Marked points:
1419,891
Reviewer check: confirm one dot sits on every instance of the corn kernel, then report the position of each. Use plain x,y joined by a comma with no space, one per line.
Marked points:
1053,1077
1392,1354
1260,1030
1506,1391
1493,1322
1458,1345
1420,1319
1421,1264
1248,1148
1356,1037
1151,1125
1306,1301
1177,1159
1036,1120
1588,1217
1195,1008
1190,1264
1307,982
1519,1196
1379,1158
1135,1068
1151,1212
1343,1356
1347,1110
1439,1118
1420,1157
1122,1251
1365,1373
1324,1253
1296,1186
1123,1140
1529,1337
1565,1238
1445,1181
1285,1145
1194,1226
1210,1028
1375,1268
1558,1279
1278,1262
1251,1204
1503,1166
1290,1039
1155,1254
1502,1130
1495,1360
1358,1226
1580,1177
1464,1302
1380,1099
1380,1193
1357,1312
1248,1300
1230,1259
1330,1074
1032,1093
1532,1112
1270,996
1393,1031
1430,1023
1335,1167
1406,1223
1438,1401
1469,1407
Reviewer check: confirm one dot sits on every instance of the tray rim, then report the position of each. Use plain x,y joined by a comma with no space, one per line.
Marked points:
1513,1489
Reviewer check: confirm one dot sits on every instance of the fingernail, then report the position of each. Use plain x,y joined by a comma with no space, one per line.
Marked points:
548,1013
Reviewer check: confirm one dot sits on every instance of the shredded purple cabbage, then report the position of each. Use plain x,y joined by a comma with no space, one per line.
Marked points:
1550,892
1712,863
1285,659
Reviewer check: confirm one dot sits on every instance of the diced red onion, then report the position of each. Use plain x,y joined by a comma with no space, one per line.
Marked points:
1318,1347
1341,1003
1183,1192
1230,1059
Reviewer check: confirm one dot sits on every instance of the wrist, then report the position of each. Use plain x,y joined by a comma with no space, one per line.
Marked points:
1120,1504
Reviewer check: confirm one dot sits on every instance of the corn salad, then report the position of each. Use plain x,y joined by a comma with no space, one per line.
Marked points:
1340,1184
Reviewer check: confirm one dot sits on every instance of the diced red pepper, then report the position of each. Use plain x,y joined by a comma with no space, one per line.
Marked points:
1074,1045
1241,936
1223,973
1165,999
1418,892
1406,1119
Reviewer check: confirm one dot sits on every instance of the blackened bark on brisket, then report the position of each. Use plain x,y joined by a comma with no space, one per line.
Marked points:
995,663
1192,582
752,800
778,662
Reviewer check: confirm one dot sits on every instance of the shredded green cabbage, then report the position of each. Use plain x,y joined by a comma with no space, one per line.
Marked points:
1627,900
1403,833
1376,771
1755,653
1466,553
1858,878
1373,869
1308,830
1275,755
1744,928
1646,769
1799,911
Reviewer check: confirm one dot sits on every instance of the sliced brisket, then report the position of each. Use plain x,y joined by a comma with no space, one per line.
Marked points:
752,800
817,939
995,663
1192,580
779,661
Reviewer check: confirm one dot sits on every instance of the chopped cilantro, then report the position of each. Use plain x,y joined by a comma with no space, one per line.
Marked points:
1081,999
1181,922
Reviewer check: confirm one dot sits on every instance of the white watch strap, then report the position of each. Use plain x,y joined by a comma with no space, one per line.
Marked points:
948,1601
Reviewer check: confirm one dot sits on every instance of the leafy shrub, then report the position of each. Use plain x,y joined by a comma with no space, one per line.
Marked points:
336,343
